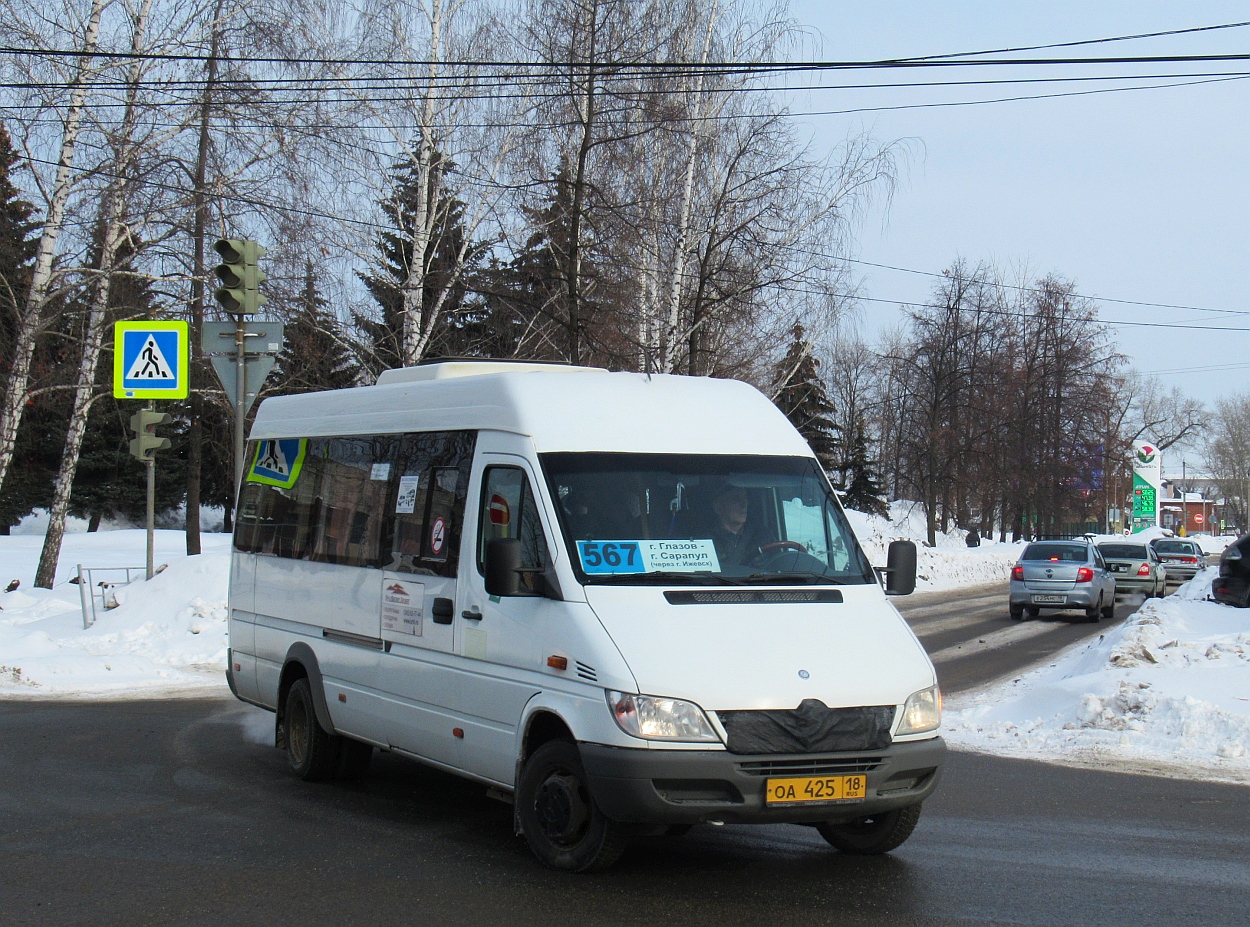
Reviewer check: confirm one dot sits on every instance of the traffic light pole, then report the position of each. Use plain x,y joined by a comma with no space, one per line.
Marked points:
144,447
150,463
240,402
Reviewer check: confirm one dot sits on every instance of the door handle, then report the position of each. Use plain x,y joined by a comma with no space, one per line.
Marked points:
442,610
472,614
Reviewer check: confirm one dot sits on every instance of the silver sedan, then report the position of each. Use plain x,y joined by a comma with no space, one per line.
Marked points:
1061,575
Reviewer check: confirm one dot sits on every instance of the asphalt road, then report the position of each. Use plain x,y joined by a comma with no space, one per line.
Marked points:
177,812
166,813
972,640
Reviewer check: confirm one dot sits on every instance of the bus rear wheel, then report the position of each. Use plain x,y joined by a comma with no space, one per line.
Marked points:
311,750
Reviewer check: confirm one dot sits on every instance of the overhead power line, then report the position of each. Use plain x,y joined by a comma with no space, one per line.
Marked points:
479,88
627,66
1237,76
279,208
1114,38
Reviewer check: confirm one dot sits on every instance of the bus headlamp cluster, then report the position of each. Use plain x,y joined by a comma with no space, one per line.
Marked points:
654,718
922,712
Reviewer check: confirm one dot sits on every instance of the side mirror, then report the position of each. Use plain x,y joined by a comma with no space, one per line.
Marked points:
503,560
900,568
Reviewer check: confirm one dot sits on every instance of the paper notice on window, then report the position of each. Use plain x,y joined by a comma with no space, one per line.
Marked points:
402,604
406,503
380,471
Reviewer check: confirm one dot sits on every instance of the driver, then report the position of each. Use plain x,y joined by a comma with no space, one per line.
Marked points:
735,541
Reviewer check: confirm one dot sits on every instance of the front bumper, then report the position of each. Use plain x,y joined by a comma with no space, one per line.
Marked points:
691,786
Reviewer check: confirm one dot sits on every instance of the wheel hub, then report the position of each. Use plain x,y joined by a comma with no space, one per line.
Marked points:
559,807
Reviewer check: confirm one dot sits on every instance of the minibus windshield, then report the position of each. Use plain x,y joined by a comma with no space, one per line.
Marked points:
638,519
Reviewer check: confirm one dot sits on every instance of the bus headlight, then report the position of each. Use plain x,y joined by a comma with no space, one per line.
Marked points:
654,718
922,712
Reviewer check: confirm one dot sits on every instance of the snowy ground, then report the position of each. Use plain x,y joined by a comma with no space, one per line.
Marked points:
1167,693
951,563
164,637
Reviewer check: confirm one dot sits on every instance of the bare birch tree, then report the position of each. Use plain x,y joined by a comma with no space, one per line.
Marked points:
112,224
87,37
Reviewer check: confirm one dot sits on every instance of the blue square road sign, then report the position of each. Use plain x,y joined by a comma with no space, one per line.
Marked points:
150,360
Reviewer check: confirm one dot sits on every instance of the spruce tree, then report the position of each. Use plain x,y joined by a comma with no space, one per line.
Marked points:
802,397
860,484
315,355
17,247
383,342
29,481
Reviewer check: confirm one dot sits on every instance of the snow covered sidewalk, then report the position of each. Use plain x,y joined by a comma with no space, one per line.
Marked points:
1166,693
167,636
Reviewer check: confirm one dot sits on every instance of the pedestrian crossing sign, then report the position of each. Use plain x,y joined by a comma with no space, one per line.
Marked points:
150,360
278,461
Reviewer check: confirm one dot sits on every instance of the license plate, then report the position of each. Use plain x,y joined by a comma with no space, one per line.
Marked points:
1119,568
795,791
1048,600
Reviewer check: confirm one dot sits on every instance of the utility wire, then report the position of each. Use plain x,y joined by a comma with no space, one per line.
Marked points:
374,83
274,207
1114,38
604,67
1236,76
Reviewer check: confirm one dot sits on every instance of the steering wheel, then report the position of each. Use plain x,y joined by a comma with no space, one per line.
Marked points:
782,545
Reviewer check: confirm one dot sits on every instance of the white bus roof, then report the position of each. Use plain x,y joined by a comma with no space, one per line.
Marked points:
561,408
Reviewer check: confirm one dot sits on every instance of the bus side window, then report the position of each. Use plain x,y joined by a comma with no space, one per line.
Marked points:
431,485
509,511
354,487
281,520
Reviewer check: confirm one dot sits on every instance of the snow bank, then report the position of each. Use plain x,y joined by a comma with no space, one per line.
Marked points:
951,563
164,636
1167,692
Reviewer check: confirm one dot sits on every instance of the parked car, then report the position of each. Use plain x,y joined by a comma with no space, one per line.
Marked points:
1232,586
1061,575
1135,567
1181,559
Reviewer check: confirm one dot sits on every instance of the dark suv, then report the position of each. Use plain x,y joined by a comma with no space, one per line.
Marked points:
1232,587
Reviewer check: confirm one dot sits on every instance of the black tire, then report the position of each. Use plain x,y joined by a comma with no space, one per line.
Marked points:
1108,611
1032,611
354,759
1016,612
312,751
872,835
562,824
1094,611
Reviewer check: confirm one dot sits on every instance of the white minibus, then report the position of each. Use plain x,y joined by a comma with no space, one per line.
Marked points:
629,604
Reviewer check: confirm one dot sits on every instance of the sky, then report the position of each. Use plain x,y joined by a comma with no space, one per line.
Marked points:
1138,195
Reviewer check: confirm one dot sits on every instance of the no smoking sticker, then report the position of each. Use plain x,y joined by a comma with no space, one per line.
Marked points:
438,536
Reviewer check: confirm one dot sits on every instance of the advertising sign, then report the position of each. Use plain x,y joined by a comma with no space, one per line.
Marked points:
1147,481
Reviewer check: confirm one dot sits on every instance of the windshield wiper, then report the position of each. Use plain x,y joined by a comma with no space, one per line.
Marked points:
664,578
806,577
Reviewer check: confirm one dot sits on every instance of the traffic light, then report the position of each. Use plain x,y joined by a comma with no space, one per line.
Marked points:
147,442
240,276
